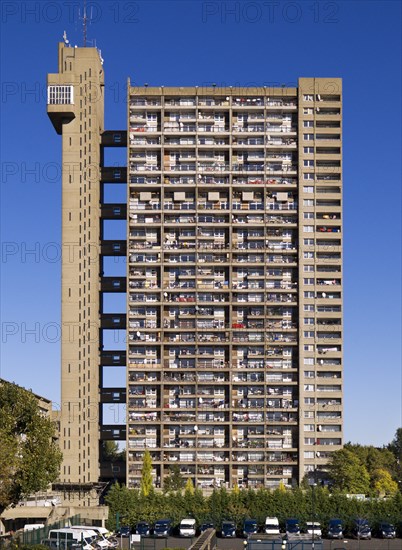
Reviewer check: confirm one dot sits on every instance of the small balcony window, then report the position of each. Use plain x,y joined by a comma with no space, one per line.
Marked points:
60,95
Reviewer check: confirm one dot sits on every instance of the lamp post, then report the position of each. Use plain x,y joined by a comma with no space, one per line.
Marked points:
313,506
313,486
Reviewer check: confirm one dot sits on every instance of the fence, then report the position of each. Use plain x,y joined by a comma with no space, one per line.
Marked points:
35,536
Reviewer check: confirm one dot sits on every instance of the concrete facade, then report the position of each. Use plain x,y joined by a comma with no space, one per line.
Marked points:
233,282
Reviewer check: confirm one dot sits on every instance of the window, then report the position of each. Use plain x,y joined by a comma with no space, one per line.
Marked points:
308,347
308,111
308,189
308,176
308,255
309,467
309,414
308,387
308,123
309,441
308,361
308,242
308,307
308,281
308,137
309,320
308,202
308,163
308,268
308,215
308,228
309,427
60,95
309,401
309,374
309,334
309,294
308,454
308,97
308,150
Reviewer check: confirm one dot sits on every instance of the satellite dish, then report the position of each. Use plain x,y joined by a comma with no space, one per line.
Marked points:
138,333
324,294
196,428
165,294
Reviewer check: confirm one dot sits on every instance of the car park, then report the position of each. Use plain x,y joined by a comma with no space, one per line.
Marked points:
250,527
292,527
314,528
228,529
205,526
387,530
143,528
124,531
271,526
163,528
187,527
361,529
335,529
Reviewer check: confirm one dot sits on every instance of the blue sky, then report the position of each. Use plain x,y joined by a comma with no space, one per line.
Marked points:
198,43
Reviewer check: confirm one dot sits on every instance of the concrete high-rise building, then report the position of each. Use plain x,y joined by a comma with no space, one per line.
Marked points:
233,282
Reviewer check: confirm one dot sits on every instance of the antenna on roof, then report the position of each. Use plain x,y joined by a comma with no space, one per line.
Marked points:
85,20
66,42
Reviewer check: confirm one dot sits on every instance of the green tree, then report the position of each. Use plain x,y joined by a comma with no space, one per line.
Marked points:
383,484
122,502
174,481
396,445
189,489
111,451
146,486
348,473
29,456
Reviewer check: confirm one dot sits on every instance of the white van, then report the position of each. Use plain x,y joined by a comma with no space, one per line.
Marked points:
187,527
272,526
78,536
33,526
101,534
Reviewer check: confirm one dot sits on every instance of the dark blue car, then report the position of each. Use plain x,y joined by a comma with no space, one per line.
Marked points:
205,526
228,529
163,528
292,527
250,527
143,528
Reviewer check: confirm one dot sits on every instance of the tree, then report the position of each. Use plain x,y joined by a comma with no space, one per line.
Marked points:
383,484
29,456
396,445
348,473
146,475
111,451
189,489
174,481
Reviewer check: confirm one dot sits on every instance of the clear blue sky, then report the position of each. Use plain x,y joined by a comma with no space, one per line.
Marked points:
196,43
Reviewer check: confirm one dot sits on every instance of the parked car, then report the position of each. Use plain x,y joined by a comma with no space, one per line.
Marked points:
163,528
272,526
335,529
387,530
228,529
187,527
143,528
250,526
124,531
292,527
313,527
361,529
205,526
